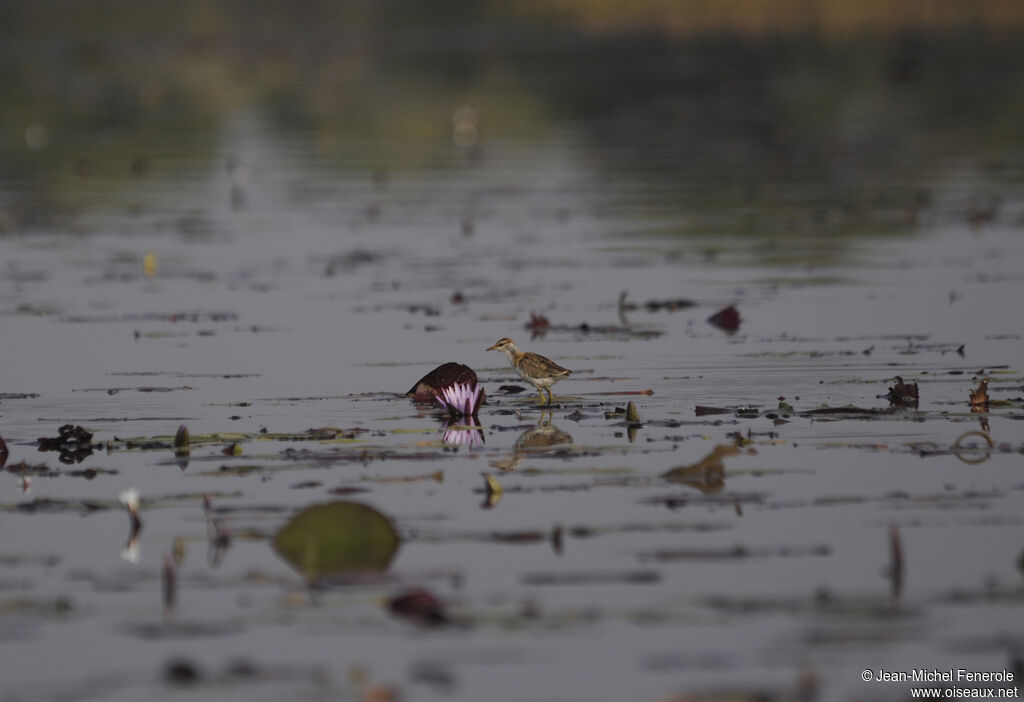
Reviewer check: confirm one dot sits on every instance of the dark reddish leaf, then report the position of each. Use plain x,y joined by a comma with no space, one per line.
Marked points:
443,376
420,606
728,320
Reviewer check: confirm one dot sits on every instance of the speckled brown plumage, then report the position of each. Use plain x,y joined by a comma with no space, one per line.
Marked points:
537,370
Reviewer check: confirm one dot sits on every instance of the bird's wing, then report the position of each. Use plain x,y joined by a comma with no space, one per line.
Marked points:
538,366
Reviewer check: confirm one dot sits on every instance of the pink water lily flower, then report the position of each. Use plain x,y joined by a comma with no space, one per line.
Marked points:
461,399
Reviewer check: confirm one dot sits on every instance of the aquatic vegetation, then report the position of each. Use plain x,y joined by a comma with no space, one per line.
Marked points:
461,399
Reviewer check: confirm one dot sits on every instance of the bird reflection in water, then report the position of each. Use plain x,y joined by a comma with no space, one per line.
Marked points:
706,475
537,440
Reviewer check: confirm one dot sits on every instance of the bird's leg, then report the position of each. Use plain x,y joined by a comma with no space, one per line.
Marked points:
540,392
549,396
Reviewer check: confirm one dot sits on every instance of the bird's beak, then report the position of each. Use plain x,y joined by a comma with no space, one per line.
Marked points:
491,348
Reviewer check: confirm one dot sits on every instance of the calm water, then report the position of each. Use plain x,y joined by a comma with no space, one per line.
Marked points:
310,250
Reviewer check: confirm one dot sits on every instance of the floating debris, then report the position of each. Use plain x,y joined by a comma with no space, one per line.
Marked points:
734,553
437,476
420,606
181,672
704,410
979,397
847,412
611,393
669,305
629,577
170,587
895,561
539,326
348,490
959,450
182,447
73,442
728,320
902,394
173,317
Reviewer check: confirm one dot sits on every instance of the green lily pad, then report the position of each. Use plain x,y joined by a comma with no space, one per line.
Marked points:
337,538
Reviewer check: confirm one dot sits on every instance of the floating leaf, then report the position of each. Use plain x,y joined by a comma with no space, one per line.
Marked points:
443,376
895,561
728,320
170,586
420,606
436,476
337,538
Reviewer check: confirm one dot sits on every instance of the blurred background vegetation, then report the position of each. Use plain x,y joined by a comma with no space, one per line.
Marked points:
844,106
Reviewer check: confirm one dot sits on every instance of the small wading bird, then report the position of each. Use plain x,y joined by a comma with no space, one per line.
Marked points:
538,371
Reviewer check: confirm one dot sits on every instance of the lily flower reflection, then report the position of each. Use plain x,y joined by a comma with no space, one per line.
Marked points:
461,399
469,434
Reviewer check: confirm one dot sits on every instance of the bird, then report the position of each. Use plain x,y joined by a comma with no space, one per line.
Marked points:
538,371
